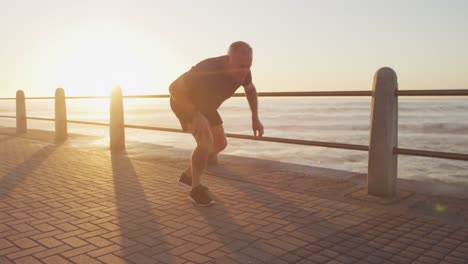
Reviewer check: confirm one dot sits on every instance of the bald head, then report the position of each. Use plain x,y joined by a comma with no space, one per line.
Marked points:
239,47
240,60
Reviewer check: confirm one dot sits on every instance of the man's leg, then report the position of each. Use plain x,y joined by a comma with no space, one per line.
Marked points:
204,139
219,143
199,193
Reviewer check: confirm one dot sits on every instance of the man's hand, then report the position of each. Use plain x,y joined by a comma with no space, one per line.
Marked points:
257,127
251,94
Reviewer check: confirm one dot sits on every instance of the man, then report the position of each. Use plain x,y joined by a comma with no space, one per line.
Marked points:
195,97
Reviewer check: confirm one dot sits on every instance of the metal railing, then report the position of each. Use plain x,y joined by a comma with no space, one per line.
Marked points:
383,124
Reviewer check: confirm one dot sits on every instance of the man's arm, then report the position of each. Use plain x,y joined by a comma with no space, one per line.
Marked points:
251,94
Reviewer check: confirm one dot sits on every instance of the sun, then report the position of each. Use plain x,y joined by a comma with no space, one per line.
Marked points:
95,62
93,69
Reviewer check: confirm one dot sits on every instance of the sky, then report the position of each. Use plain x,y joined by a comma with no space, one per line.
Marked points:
89,46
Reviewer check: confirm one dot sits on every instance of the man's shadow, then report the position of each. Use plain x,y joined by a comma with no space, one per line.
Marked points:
231,234
140,236
219,217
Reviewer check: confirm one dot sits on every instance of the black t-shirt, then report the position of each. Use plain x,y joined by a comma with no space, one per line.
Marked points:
210,83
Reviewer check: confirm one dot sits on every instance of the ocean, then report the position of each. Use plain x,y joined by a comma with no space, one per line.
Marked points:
439,124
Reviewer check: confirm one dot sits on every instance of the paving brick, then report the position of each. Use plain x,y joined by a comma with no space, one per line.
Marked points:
94,233
74,242
168,258
319,258
69,234
195,257
458,254
282,244
9,250
306,261
454,260
50,242
278,261
196,239
78,251
357,254
25,252
66,227
258,254
24,260
23,228
52,251
428,260
130,250
401,260
19,235
382,254
216,254
374,259
346,259
99,241
47,234
44,227
109,226
88,226
291,258
329,253
303,253
213,245
85,259
184,248
55,260
239,257
5,243
109,258
434,254
154,250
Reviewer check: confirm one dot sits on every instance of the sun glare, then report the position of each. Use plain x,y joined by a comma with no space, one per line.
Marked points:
94,70
95,63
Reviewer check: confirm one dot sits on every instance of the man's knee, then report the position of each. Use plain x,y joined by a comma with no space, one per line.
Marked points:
204,140
220,141
220,145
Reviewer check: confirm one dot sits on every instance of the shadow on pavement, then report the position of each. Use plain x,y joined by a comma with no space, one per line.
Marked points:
140,234
17,175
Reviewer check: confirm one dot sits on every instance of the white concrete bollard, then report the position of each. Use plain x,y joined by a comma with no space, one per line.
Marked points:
61,128
382,167
117,129
21,122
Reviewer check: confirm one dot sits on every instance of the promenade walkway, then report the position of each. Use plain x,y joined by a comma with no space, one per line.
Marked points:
63,204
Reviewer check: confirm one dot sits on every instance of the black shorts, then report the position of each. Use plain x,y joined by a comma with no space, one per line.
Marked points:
212,116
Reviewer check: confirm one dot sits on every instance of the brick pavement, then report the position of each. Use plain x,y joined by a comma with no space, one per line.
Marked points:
60,204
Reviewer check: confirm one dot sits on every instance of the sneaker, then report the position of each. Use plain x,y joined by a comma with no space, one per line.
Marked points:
185,180
200,196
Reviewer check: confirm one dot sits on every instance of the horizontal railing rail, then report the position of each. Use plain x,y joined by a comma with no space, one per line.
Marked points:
431,154
230,135
453,92
456,92
383,149
401,151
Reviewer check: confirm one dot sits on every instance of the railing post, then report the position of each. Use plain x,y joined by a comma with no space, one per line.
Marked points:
382,167
21,125
117,129
61,129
